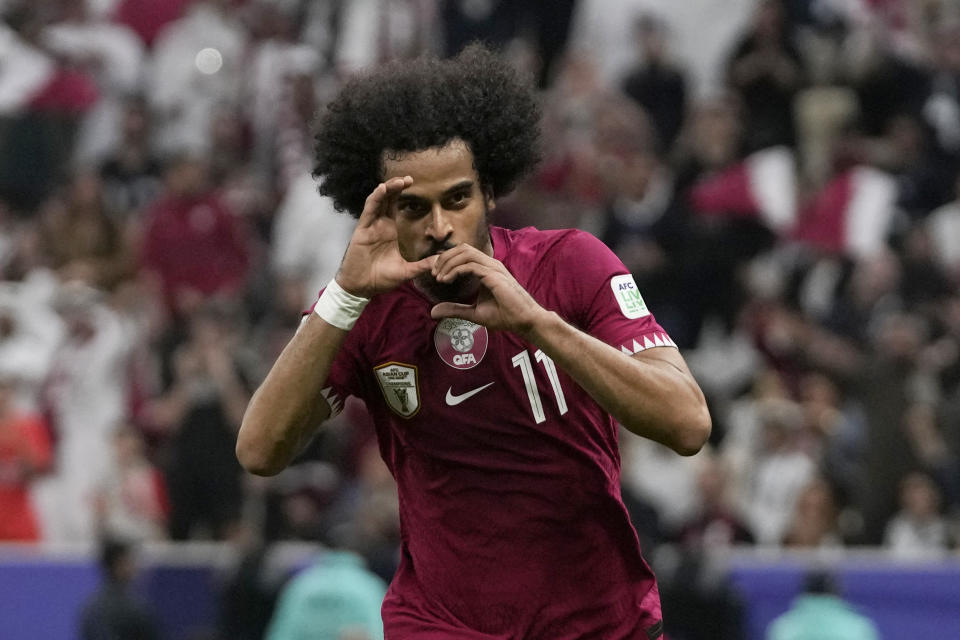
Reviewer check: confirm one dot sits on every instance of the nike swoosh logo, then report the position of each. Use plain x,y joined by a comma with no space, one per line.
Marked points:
453,400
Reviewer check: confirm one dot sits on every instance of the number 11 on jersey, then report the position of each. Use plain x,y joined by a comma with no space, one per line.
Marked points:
523,361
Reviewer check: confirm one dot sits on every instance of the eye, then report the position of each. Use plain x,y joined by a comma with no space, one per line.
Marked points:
413,208
458,199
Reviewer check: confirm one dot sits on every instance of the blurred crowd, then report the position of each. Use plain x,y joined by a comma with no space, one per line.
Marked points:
782,177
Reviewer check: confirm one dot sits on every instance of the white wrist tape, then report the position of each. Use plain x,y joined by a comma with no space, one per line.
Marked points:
338,307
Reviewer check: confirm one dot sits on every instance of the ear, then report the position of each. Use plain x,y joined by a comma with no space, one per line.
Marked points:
489,201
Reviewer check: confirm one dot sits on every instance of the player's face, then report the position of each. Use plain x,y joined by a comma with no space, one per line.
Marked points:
445,206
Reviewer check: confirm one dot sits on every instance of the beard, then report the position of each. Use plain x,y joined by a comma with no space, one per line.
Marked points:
460,289
464,287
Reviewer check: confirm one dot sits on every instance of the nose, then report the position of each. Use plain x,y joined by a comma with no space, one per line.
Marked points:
439,227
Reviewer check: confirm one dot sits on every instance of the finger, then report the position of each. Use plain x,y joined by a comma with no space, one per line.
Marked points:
394,187
453,310
449,254
380,199
479,265
474,268
461,254
413,269
372,206
398,184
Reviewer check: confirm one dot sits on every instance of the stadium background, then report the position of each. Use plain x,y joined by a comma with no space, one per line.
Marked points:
781,178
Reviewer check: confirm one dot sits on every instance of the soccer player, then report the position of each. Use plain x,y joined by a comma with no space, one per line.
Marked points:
496,365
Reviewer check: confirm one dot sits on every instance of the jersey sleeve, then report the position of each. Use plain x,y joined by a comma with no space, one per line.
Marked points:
601,297
344,380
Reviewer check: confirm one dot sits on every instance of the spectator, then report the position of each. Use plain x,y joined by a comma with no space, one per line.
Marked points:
698,597
743,439
30,333
924,176
200,413
250,588
9,236
229,152
779,473
82,241
131,499
131,173
198,62
716,523
928,444
885,387
655,83
334,599
918,528
42,102
87,396
836,428
814,523
766,71
943,225
193,245
543,27
837,432
925,283
375,31
30,67
945,354
113,56
112,612
821,607
889,79
872,293
648,226
298,503
712,138
148,18
24,452
942,109
285,139
704,32
278,62
306,228
666,482
569,186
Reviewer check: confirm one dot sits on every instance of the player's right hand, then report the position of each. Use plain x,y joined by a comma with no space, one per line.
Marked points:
372,263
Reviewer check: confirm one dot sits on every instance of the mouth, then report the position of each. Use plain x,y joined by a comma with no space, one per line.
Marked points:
437,250
457,290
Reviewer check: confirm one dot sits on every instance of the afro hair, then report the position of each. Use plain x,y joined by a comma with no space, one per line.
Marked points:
407,106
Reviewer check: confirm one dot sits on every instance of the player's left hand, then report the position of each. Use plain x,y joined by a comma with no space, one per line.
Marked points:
501,303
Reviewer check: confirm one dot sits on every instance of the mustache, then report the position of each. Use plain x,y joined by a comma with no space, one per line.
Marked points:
437,246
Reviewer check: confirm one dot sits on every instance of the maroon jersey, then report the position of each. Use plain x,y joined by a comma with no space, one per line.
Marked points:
512,524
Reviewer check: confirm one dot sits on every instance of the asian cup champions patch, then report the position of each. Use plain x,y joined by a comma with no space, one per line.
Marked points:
401,387
628,296
460,343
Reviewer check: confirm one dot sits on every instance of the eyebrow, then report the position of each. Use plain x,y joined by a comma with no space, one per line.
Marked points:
463,184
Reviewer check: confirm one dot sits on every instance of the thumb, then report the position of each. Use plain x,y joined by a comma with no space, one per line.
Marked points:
454,310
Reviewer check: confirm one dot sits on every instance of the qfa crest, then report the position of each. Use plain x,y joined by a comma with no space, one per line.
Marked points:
400,386
460,343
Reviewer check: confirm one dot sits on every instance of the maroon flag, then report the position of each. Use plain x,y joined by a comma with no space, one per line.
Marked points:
852,214
763,186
